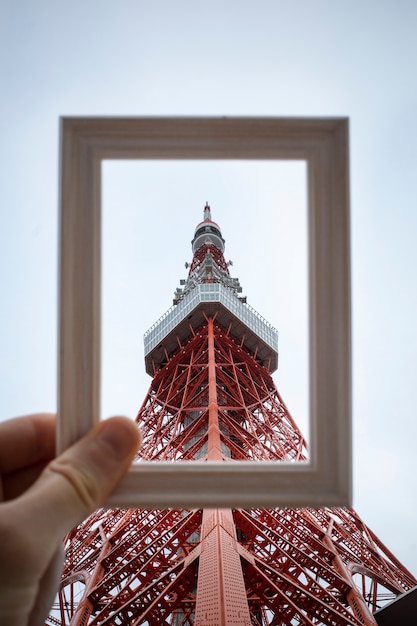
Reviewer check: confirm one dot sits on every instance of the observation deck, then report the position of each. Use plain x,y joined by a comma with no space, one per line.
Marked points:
204,300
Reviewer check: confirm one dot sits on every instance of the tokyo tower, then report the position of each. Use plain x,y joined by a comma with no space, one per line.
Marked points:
212,396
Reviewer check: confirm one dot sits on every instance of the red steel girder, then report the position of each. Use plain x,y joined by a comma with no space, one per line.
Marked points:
280,566
251,412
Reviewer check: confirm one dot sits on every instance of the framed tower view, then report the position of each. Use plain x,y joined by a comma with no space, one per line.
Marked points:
325,479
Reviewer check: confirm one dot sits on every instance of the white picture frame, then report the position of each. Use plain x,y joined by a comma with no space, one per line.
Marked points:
325,480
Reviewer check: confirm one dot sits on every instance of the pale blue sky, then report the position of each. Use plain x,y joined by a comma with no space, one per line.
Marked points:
303,58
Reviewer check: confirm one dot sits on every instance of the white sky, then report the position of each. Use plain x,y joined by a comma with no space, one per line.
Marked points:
150,211
221,58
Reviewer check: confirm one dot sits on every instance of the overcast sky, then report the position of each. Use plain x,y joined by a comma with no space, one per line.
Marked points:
299,58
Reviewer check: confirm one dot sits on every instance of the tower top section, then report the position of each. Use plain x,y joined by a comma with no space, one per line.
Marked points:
209,291
207,232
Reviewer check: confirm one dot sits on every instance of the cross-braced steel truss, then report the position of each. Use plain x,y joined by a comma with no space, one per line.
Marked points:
213,399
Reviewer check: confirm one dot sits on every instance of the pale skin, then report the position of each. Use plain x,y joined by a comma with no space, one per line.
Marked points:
42,498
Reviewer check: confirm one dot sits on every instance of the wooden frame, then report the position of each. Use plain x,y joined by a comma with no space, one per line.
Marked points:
323,142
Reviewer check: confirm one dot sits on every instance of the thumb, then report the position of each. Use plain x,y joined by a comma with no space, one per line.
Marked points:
78,481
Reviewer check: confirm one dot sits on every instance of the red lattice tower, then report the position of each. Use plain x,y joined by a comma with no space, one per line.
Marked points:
212,397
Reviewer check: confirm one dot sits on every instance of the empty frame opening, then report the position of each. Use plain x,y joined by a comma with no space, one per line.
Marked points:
149,213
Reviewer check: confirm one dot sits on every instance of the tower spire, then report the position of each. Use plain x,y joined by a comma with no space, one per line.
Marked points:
207,232
208,264
212,396
207,212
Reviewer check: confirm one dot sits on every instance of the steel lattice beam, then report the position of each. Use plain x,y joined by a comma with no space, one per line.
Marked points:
212,397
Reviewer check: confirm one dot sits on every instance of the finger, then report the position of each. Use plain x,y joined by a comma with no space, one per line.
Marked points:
48,585
79,480
16,483
26,440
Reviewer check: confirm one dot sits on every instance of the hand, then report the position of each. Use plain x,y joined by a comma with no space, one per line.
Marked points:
42,499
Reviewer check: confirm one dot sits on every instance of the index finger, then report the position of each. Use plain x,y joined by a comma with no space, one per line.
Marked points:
26,440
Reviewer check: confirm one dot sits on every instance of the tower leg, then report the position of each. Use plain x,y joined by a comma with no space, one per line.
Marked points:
221,593
354,597
82,615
